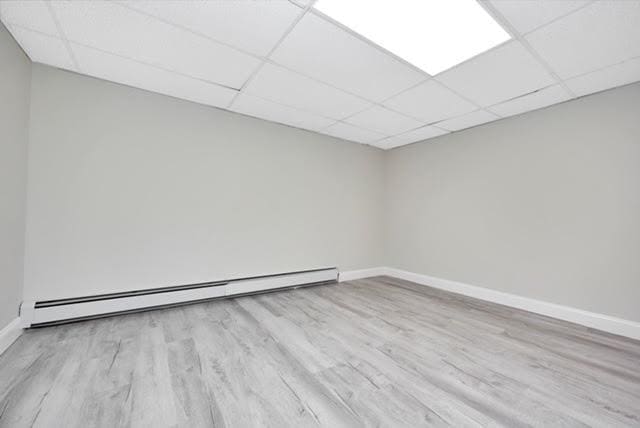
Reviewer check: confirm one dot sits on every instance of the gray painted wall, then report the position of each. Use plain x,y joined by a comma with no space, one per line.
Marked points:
130,189
543,205
15,78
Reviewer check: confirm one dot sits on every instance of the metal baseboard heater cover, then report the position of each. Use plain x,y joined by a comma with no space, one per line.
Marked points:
51,312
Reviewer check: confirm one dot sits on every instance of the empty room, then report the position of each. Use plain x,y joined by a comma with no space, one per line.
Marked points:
333,213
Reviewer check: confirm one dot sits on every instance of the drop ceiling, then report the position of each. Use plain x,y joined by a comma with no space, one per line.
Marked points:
286,62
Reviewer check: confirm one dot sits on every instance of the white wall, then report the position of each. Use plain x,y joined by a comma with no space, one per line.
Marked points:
15,77
130,189
543,205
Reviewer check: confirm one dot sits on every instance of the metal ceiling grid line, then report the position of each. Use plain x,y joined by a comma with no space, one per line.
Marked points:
62,35
188,30
277,44
557,18
519,37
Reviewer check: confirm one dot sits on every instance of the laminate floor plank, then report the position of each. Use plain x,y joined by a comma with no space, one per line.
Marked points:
373,352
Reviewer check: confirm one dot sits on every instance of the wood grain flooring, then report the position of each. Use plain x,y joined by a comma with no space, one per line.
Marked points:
375,352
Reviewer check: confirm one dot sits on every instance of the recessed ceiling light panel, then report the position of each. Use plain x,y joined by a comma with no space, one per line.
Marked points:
433,35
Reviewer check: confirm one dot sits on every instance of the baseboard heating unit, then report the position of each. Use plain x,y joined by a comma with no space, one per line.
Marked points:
50,312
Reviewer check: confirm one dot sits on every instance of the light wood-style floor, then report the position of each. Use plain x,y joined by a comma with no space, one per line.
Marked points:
377,352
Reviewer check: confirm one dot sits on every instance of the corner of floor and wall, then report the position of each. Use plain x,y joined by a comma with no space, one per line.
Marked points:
539,211
139,190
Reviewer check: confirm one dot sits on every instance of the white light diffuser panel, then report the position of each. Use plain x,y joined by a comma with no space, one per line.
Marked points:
432,35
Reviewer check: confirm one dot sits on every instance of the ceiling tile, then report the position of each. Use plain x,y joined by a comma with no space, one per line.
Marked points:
42,48
264,109
383,120
119,30
596,36
527,15
541,98
610,77
497,75
253,26
280,85
468,120
352,133
121,70
325,51
430,102
414,136
33,15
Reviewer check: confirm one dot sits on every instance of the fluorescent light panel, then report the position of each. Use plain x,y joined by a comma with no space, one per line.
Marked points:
433,35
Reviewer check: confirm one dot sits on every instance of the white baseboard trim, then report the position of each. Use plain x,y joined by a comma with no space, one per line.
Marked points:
594,320
351,275
9,334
